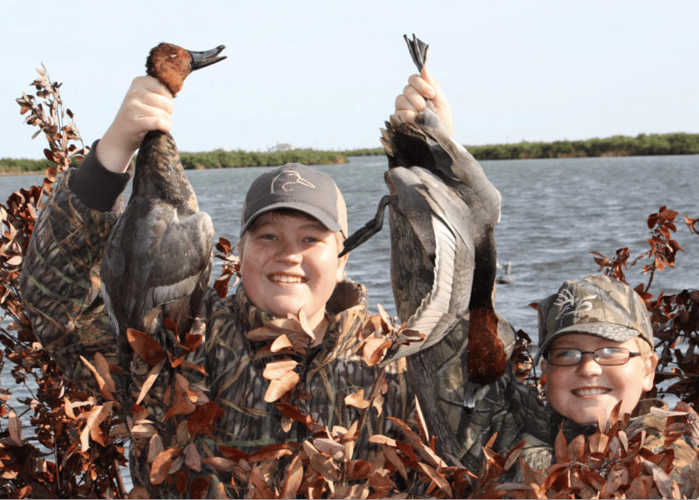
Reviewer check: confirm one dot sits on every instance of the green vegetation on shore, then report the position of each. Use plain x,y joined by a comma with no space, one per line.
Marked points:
618,145
641,145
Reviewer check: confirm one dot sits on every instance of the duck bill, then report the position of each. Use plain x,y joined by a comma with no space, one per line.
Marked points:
206,58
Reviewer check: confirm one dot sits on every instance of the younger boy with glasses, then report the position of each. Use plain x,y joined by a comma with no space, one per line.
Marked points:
596,350
597,345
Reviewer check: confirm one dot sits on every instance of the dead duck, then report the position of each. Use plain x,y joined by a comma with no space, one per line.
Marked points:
443,212
158,258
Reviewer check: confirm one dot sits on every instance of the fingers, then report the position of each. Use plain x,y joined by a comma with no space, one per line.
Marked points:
413,99
147,105
419,90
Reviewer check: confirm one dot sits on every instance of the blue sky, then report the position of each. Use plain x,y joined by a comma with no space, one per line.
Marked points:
325,74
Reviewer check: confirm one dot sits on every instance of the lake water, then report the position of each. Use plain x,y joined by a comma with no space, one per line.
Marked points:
554,213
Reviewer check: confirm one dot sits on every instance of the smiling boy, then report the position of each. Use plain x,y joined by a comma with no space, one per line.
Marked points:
294,222
596,341
596,351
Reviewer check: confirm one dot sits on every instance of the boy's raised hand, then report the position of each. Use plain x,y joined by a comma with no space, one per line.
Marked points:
147,106
413,99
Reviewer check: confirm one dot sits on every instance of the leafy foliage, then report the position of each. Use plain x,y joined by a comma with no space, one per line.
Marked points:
77,445
76,448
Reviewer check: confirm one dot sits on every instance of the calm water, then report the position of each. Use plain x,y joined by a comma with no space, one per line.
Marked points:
554,213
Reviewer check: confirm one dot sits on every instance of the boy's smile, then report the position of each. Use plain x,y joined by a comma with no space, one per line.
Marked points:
587,392
288,263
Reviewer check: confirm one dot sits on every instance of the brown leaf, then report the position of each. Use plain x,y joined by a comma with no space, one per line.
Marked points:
106,388
150,380
421,424
183,384
666,486
14,426
292,412
598,442
374,348
576,448
270,452
277,369
192,459
293,478
184,407
155,447
221,464
329,447
438,479
357,400
393,457
224,246
561,448
201,421
277,388
381,439
95,417
257,480
280,343
359,469
145,346
513,455
161,465
199,488
232,453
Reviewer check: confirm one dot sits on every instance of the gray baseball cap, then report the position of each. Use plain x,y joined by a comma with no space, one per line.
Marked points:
297,187
597,305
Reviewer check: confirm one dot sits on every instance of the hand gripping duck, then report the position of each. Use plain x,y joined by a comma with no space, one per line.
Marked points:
443,212
158,258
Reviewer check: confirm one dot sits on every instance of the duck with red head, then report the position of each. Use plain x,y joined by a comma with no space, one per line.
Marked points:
171,64
157,262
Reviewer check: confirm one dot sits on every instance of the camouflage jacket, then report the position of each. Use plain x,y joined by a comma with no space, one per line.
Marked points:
60,285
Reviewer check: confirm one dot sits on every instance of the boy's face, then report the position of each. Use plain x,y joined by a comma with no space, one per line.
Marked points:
288,262
587,392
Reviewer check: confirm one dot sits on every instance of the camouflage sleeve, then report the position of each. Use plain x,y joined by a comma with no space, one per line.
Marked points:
514,412
60,281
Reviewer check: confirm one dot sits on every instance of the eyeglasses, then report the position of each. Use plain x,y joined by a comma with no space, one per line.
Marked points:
607,356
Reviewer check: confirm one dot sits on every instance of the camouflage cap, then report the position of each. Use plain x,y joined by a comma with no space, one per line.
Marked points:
597,305
297,187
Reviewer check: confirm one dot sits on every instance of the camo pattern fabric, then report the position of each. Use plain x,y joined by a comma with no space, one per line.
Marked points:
516,413
328,373
60,284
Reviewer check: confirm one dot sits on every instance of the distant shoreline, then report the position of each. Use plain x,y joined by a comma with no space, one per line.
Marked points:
679,143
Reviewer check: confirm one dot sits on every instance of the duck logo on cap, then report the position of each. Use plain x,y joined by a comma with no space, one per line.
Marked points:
286,180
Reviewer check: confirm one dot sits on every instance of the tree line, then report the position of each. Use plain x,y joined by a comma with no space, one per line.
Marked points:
642,145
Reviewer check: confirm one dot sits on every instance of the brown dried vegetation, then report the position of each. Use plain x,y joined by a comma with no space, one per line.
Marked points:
77,442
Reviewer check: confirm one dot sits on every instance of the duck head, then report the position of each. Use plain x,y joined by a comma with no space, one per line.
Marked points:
171,64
